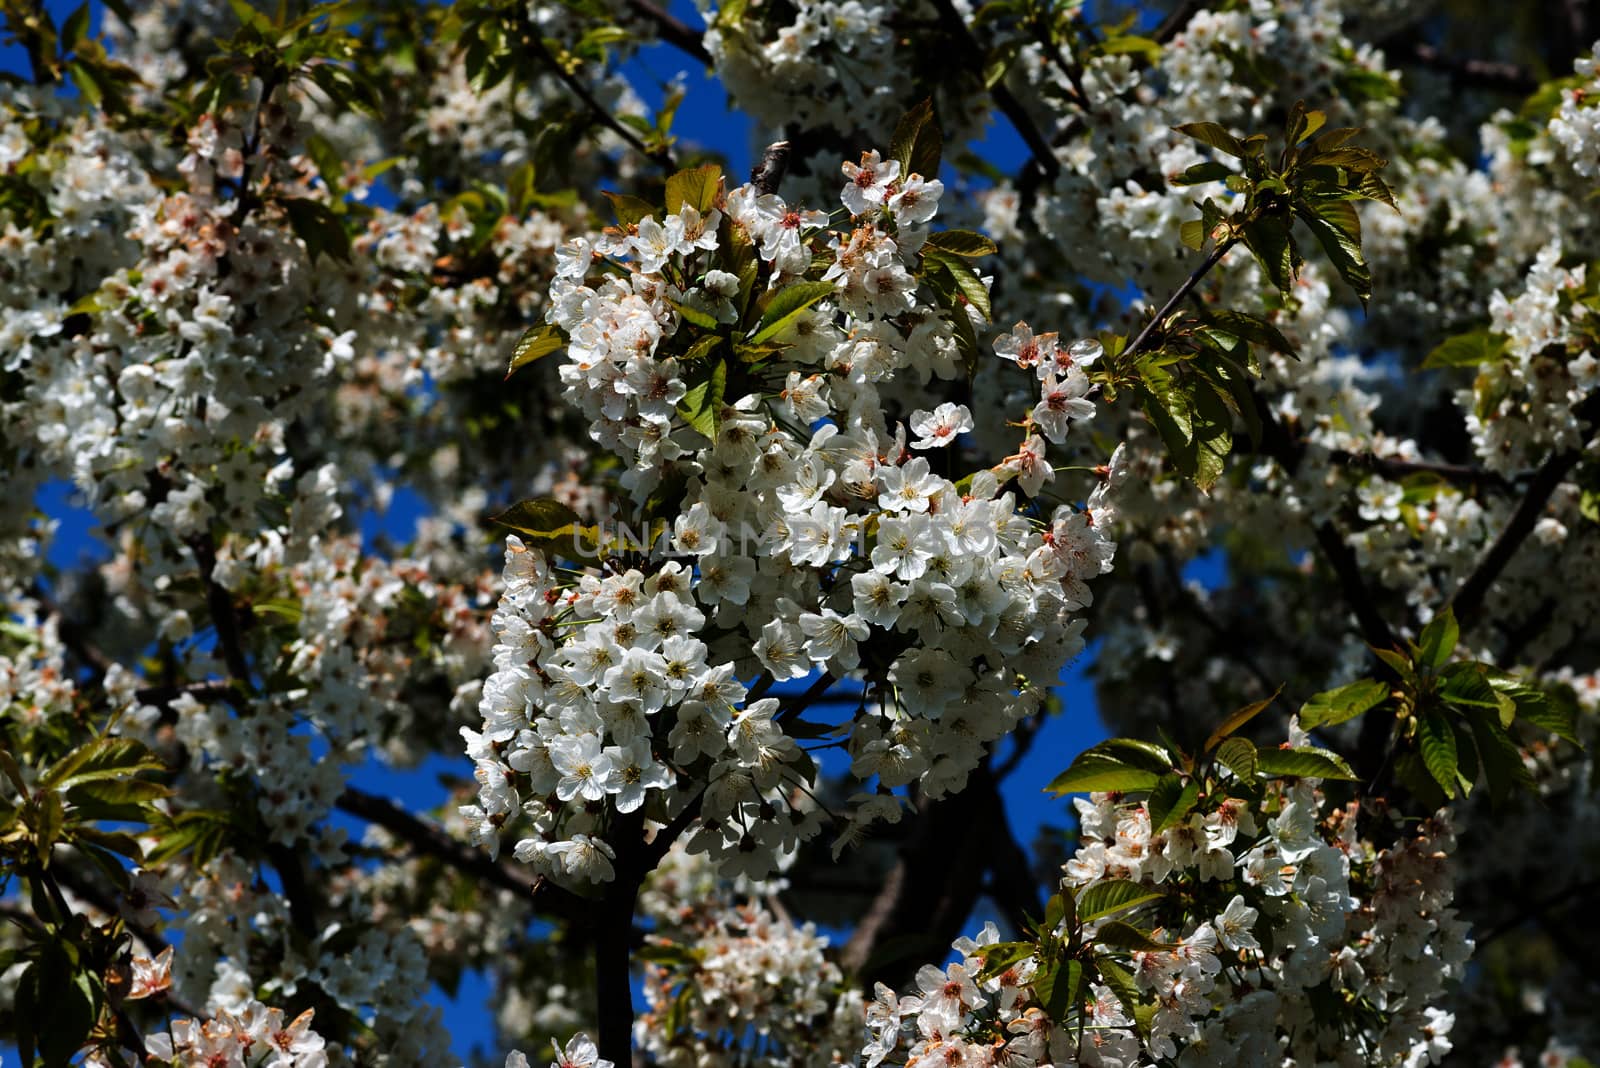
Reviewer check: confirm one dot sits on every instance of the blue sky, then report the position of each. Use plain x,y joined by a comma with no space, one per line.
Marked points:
704,118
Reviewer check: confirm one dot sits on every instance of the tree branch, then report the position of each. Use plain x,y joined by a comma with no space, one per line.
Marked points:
971,55
1392,467
1177,297
673,31
430,840
662,156
1473,73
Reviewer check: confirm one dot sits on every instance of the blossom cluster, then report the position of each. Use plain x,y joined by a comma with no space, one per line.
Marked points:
808,534
1283,906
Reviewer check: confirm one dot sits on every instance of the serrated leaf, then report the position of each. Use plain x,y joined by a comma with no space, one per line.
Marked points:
1002,955
1209,171
536,342
1498,755
1304,763
1238,718
101,758
1437,744
785,307
698,316
1438,640
701,406
1140,754
1059,988
315,224
1471,349
1275,251
1332,707
965,277
1215,135
1193,234
1095,774
1115,895
544,522
964,243
628,209
1238,755
1171,801
1120,935
1247,327
695,187
918,141
1337,228
1122,984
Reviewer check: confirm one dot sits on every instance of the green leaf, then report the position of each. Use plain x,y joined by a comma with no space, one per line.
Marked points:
1171,799
536,342
1437,743
918,142
315,224
963,275
1194,424
1305,763
1498,754
101,758
1471,349
1269,241
1002,955
116,841
1059,988
1215,135
1209,171
1122,983
696,187
1227,323
1438,640
628,209
116,792
1238,755
1337,228
702,348
1093,773
1332,707
961,243
1104,898
1193,234
544,522
701,406
1238,719
48,821
785,307
1140,754
1120,935
698,316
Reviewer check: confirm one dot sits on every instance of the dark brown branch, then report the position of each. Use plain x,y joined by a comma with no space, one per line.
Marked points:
1470,595
1177,298
673,31
768,173
971,56
427,839
1176,20
1472,73
219,603
1391,467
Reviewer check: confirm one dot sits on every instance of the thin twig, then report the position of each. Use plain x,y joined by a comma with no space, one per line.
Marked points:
662,156
1177,297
